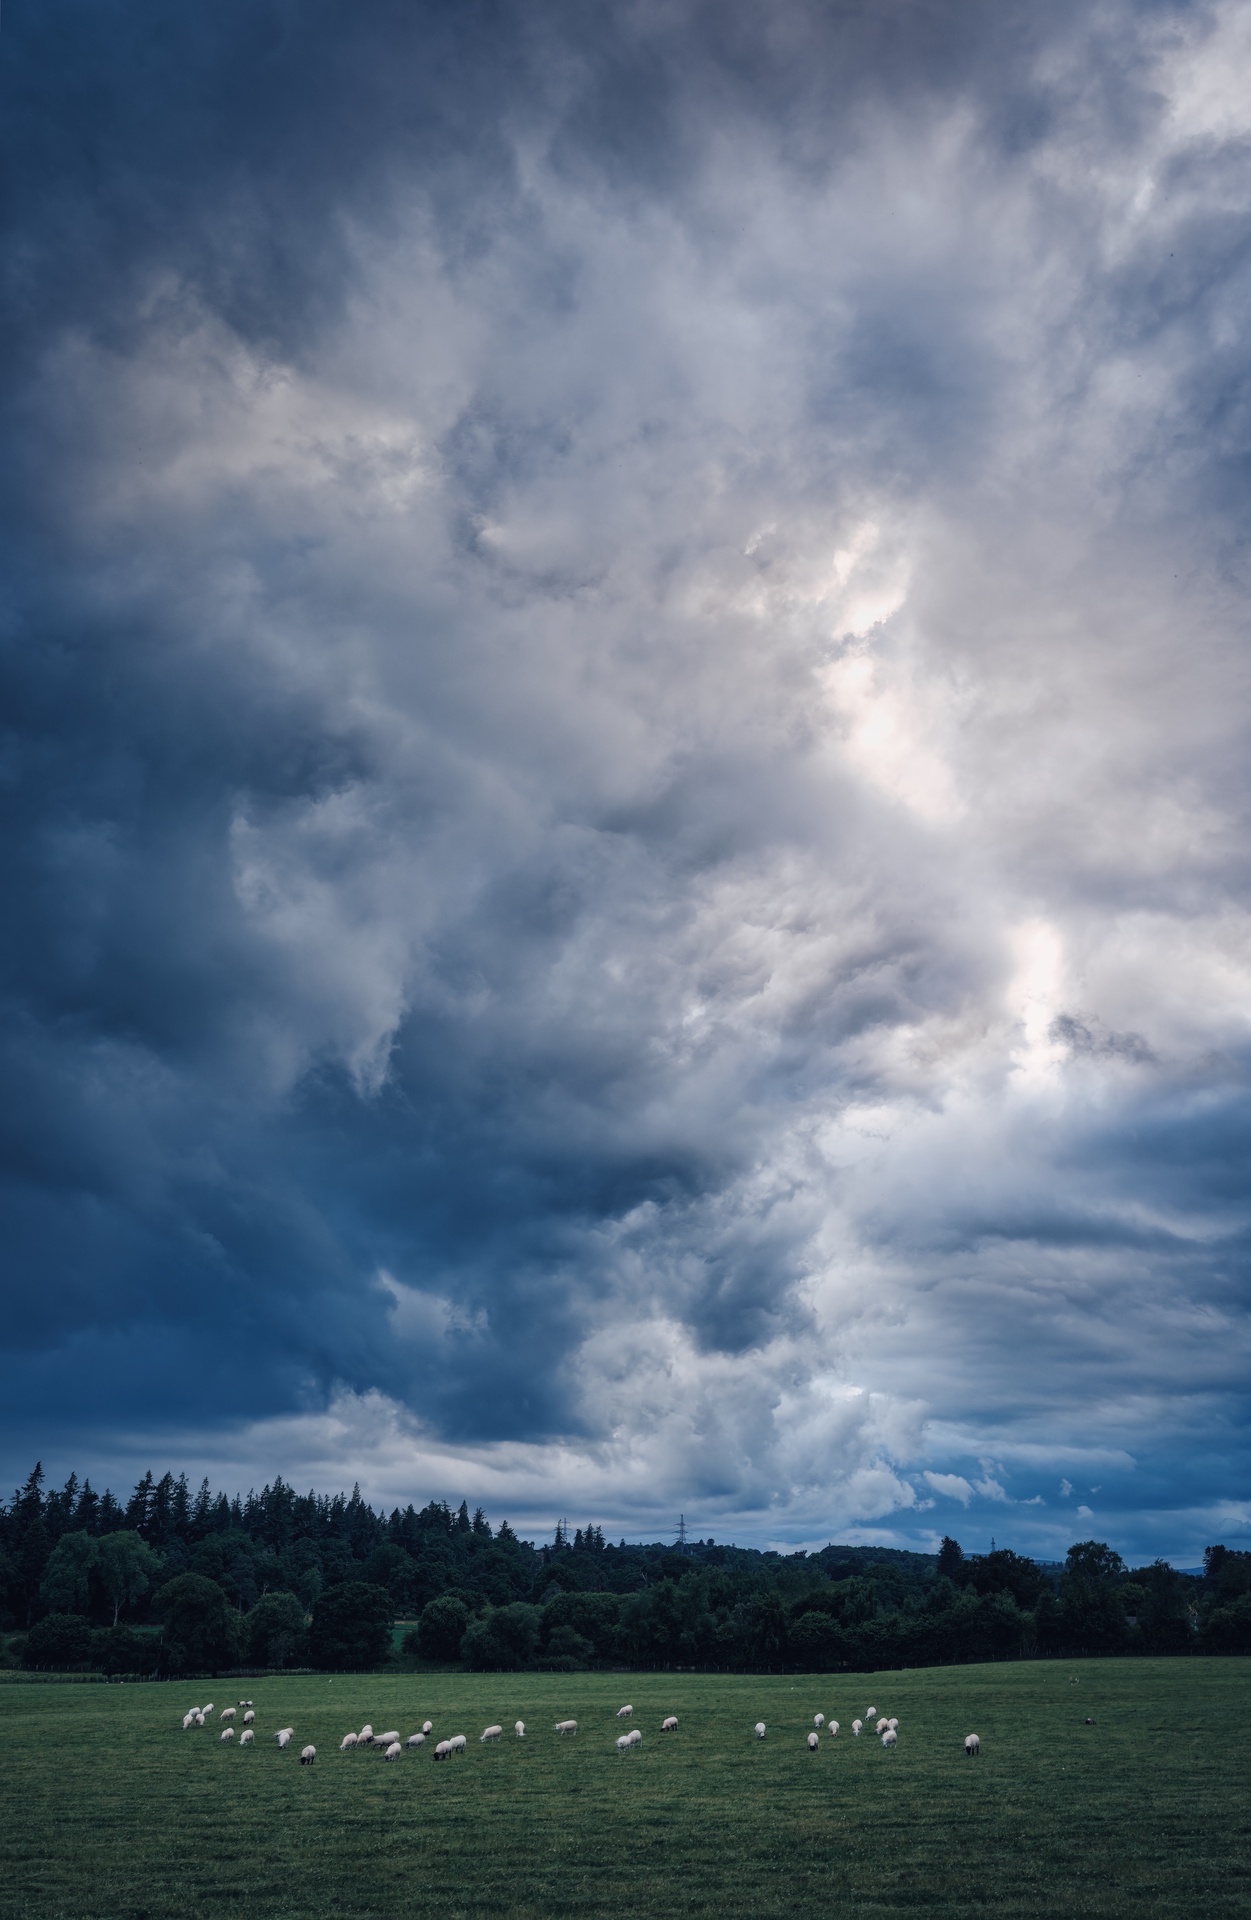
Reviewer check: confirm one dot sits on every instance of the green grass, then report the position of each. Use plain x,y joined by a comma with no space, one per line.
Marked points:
107,1808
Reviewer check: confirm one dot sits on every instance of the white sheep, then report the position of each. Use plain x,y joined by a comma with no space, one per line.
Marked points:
856,1725
427,1726
307,1756
192,1712
670,1725
387,1739
207,1710
283,1737
814,1741
623,1713
247,1737
199,1719
832,1729
457,1743
635,1736
972,1746
188,1720
228,1733
416,1739
893,1725
881,1726
489,1733
566,1726
443,1749
520,1729
870,1713
760,1729
347,1743
228,1713
624,1743
818,1721
394,1751
890,1738
248,1717
366,1733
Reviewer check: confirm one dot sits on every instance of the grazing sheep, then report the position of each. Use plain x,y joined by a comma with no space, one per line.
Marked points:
443,1749
870,1713
814,1741
394,1751
307,1756
245,1703
247,1737
387,1739
228,1733
566,1726
416,1739
228,1713
188,1719
207,1710
248,1717
348,1741
489,1733
972,1746
427,1726
893,1725
890,1738
520,1729
199,1719
832,1729
635,1736
366,1733
670,1725
818,1721
624,1743
856,1725
457,1743
760,1729
881,1726
283,1737
623,1713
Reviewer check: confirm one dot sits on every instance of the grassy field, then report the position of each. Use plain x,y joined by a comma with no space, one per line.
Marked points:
107,1808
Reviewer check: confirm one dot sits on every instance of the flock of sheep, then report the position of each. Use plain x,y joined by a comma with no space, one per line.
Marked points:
392,1748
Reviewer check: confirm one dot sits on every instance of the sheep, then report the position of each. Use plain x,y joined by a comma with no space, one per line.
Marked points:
893,1725
387,1739
623,1743
881,1726
457,1743
489,1733
188,1720
760,1729
832,1729
520,1729
247,1737
818,1721
670,1725
870,1713
443,1749
365,1735
394,1751
248,1717
623,1713
814,1741
566,1726
207,1710
228,1713
245,1703
890,1738
199,1719
347,1743
228,1733
307,1756
635,1736
856,1725
283,1737
972,1746
427,1726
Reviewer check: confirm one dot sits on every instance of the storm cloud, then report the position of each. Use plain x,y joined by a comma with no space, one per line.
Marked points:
625,698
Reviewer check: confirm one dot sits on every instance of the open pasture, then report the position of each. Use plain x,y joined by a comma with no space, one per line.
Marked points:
109,1809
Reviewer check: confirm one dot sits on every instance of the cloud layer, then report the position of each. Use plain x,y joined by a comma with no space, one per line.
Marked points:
624,644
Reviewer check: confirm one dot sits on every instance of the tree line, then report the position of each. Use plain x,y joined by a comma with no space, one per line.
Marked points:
183,1581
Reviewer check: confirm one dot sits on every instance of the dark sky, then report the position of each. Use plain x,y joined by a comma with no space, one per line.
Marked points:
623,734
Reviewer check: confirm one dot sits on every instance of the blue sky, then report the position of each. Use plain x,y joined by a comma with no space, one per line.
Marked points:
625,698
